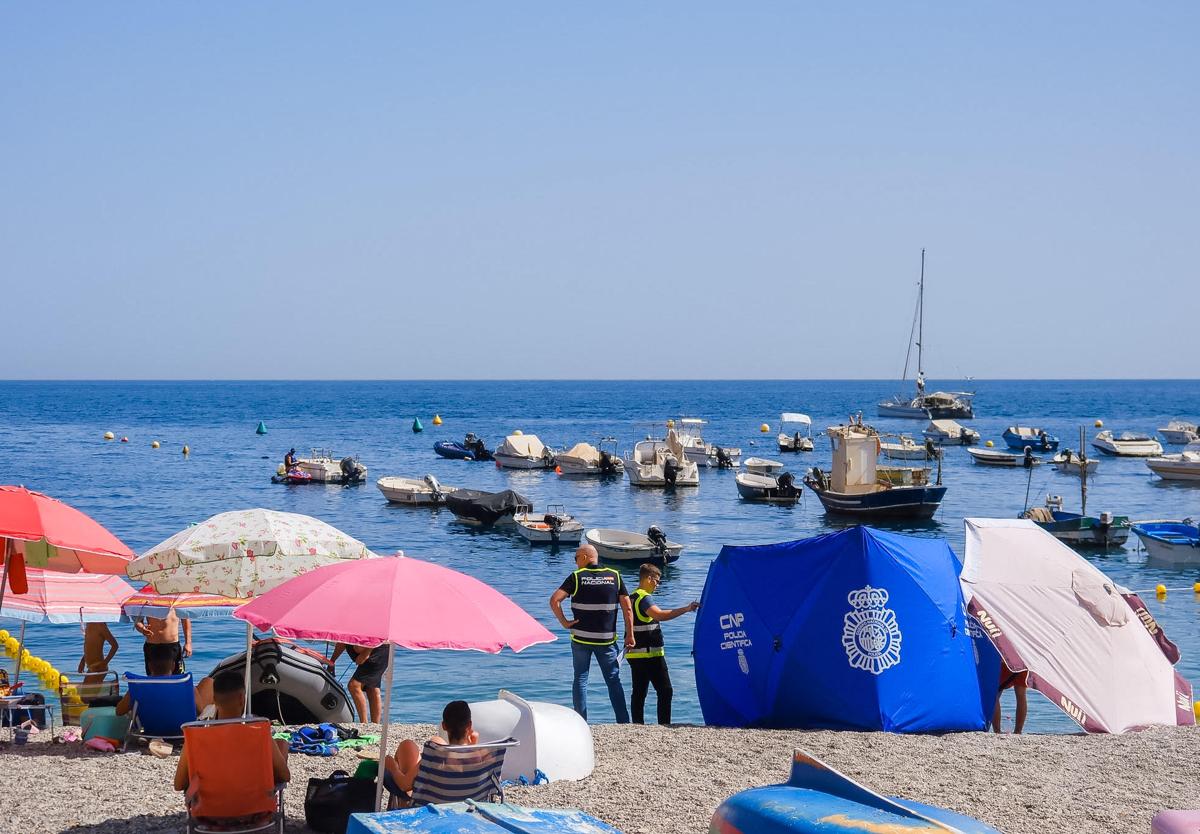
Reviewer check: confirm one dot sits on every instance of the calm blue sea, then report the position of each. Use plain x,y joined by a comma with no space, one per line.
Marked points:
50,440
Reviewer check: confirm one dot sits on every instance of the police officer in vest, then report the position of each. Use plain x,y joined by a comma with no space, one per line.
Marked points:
647,659
596,594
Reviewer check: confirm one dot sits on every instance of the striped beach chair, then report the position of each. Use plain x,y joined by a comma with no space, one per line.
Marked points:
457,773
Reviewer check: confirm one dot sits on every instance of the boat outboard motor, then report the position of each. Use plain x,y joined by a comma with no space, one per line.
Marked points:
723,459
555,523
785,484
352,470
607,467
796,442
659,539
670,471
1028,461
435,487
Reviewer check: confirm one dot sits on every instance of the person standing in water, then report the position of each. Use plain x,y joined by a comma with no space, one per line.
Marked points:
648,659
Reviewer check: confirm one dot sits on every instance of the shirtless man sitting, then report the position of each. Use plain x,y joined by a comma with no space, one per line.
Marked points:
160,663
166,631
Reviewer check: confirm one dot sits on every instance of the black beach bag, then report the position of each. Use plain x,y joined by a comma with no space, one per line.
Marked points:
328,803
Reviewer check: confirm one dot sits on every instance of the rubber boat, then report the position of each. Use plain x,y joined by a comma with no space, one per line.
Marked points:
425,491
992,457
1177,433
701,453
1018,437
1184,466
290,683
790,438
762,466
471,448
950,433
1072,464
1171,544
661,463
625,546
779,490
819,800
1129,444
553,738
327,469
584,460
487,508
905,448
1079,530
553,527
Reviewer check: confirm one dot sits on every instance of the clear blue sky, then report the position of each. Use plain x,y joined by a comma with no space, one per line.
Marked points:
403,190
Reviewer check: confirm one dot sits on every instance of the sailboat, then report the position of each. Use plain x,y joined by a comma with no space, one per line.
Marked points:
939,405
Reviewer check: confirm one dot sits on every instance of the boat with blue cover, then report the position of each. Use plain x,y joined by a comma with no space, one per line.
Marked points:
818,798
1018,437
1174,544
472,448
480,818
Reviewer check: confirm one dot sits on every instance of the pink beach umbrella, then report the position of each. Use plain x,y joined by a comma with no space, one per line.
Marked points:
400,601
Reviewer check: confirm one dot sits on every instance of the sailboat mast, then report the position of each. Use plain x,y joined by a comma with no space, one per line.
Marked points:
1083,462
921,320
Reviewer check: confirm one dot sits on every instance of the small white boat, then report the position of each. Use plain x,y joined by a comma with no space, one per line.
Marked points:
1184,466
904,448
1128,444
661,463
791,438
1172,544
1177,433
584,460
553,527
762,466
702,453
414,491
1072,464
625,546
523,451
950,433
777,490
324,468
994,457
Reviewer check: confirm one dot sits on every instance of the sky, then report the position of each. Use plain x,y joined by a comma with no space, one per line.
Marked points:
620,190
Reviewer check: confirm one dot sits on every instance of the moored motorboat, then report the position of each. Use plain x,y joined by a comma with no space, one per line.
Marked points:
691,436
290,684
323,468
1018,437
626,546
584,460
1177,432
1183,466
780,490
487,508
661,463
762,466
1127,444
472,448
905,448
1077,529
994,457
555,526
795,432
1172,544
1073,464
523,451
950,433
425,491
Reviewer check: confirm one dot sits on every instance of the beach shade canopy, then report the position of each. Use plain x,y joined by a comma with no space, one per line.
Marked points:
68,598
56,536
148,603
1089,645
854,630
243,553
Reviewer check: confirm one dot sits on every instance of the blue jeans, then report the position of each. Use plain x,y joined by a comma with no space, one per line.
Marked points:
610,666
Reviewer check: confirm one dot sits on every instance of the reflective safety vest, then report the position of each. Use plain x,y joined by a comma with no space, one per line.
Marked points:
595,598
647,633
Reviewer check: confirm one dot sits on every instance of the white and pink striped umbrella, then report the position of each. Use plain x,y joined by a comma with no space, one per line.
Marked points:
55,597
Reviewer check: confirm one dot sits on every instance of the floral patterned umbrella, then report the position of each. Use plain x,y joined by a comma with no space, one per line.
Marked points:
243,553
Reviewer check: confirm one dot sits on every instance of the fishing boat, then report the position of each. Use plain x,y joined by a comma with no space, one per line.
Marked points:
795,432
939,405
1178,433
1184,466
584,460
702,453
1078,529
762,466
853,486
1127,445
554,527
1018,437
1070,463
950,433
323,468
779,490
425,491
487,508
660,463
472,448
626,546
905,448
1171,544
994,457
523,451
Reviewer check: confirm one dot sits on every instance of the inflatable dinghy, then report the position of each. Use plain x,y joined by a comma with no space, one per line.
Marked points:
819,799
480,818
554,739
291,684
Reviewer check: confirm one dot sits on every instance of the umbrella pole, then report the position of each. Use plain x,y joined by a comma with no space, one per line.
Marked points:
246,679
4,577
20,651
383,736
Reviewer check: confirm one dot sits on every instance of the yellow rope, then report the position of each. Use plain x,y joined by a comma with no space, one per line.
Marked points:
52,679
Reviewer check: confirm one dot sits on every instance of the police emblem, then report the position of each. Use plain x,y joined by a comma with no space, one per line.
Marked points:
870,633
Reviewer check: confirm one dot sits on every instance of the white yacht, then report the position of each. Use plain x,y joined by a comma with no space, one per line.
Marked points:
1184,466
661,463
791,438
695,449
1128,444
1177,432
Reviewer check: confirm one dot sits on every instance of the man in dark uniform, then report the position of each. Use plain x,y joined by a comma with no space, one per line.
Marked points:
596,593
648,659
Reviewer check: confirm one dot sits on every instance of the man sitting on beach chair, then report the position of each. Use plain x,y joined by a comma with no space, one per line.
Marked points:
161,664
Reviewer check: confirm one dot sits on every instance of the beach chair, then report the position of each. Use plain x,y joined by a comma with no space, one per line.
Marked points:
231,782
456,773
161,706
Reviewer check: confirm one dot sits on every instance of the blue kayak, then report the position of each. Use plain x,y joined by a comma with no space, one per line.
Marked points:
479,818
819,799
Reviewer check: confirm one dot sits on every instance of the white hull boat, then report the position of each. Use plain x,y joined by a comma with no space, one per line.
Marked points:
626,546
553,527
1128,445
414,491
324,468
661,463
701,453
950,433
1171,544
1072,464
768,488
584,460
1184,466
762,466
1179,433
904,449
993,457
791,438
523,451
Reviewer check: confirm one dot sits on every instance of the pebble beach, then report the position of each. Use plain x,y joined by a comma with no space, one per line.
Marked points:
665,780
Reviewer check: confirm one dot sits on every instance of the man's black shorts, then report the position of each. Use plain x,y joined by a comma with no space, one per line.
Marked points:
370,671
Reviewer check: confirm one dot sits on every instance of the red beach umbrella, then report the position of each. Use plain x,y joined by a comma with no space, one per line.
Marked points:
56,536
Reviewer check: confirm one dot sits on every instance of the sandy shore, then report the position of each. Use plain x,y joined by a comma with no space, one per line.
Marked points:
652,780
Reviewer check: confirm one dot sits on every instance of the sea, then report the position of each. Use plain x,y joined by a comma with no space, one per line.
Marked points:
51,440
